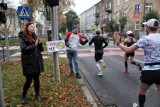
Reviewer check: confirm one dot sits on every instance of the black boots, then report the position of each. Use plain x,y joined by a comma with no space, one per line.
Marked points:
38,97
23,99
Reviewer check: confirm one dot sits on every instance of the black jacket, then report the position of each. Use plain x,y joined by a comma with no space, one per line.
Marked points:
31,57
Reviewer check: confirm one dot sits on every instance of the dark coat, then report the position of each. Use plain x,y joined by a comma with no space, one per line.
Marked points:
31,57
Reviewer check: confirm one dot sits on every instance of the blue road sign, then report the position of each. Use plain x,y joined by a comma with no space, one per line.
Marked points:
24,12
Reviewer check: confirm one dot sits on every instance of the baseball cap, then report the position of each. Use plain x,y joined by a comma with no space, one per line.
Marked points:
74,27
129,32
152,23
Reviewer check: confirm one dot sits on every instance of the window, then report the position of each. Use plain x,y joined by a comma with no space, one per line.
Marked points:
125,12
148,7
117,15
109,6
118,1
137,25
125,0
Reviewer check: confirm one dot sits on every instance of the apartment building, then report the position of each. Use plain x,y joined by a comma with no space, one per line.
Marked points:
107,10
134,10
103,14
87,20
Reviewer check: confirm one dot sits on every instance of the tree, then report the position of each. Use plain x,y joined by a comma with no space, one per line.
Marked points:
112,26
151,14
122,21
38,6
71,19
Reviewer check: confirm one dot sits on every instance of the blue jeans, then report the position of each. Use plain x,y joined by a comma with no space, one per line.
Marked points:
72,54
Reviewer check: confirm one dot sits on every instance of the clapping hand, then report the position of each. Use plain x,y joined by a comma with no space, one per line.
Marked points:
88,37
37,41
40,41
116,37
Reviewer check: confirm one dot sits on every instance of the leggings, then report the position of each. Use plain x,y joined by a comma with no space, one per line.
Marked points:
29,81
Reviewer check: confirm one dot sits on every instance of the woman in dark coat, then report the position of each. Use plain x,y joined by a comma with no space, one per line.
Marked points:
31,58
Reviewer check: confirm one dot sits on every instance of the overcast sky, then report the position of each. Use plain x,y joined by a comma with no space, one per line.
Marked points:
82,5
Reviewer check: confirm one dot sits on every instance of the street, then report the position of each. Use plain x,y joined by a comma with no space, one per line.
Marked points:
115,87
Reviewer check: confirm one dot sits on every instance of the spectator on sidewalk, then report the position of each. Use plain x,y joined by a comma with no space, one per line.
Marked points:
151,45
71,41
32,61
98,43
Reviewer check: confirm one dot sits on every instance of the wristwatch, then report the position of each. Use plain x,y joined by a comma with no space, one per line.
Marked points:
118,43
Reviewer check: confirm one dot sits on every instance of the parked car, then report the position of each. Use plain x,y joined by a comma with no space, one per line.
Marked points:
2,38
106,37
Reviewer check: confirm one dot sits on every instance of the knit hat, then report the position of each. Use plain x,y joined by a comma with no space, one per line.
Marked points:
153,23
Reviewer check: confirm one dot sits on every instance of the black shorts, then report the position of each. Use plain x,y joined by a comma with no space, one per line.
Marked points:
98,56
130,54
150,77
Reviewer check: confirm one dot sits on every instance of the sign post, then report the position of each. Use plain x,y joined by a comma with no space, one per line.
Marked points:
1,89
54,29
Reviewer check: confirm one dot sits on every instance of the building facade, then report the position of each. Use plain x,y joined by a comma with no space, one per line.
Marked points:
87,20
103,14
134,10
107,10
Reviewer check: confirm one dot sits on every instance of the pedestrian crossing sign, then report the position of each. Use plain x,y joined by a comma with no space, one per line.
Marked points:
24,12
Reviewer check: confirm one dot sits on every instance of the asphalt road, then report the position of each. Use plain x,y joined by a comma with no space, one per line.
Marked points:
115,87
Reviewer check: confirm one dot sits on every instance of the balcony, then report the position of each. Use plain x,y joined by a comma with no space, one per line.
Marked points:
108,10
96,15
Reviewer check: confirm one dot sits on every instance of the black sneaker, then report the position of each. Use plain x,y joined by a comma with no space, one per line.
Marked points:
71,73
23,99
139,67
78,75
38,97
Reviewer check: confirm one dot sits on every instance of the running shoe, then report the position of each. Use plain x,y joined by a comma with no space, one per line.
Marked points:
78,75
139,67
103,65
71,73
135,105
100,73
126,72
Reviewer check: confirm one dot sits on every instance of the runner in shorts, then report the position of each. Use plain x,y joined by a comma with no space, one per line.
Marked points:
129,41
98,42
151,44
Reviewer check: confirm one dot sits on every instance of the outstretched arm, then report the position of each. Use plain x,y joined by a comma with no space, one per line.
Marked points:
83,42
123,47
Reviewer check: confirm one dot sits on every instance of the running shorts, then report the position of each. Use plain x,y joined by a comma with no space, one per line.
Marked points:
130,54
98,56
150,77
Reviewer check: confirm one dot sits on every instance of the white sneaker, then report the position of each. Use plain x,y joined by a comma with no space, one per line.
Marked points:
135,105
99,73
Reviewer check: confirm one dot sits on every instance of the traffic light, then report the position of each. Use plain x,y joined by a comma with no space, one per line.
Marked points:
2,13
3,6
51,3
2,17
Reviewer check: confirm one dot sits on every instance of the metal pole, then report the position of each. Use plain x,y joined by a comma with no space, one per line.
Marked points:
1,90
6,38
54,36
7,44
